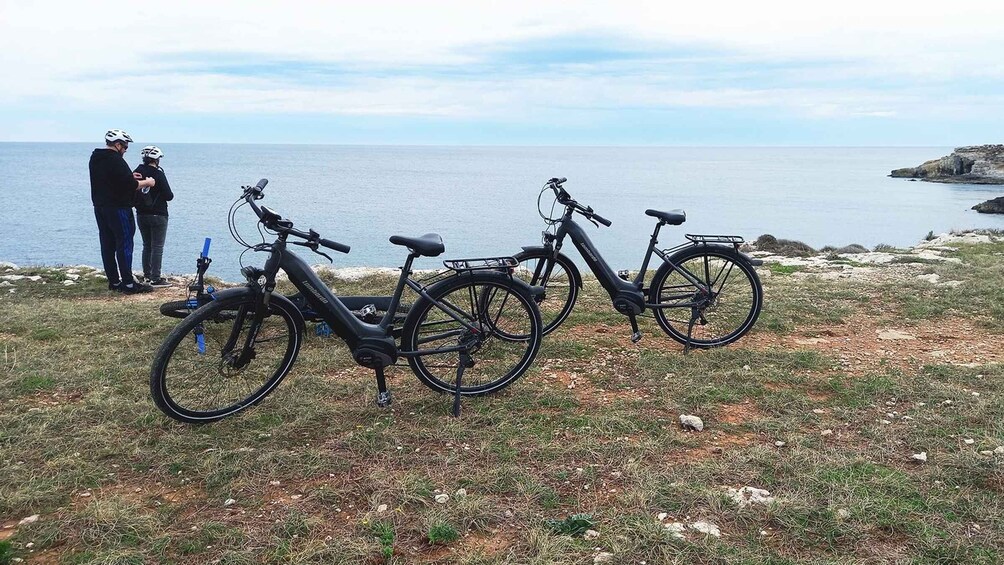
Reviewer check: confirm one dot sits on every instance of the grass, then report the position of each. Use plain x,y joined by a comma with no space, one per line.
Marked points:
590,431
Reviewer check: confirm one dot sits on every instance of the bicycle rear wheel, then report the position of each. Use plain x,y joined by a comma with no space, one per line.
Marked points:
721,317
500,328
561,287
208,369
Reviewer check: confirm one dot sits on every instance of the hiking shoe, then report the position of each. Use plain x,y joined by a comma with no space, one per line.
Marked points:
115,286
158,283
135,288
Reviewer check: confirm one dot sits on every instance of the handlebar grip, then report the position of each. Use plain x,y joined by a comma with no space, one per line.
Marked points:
261,184
340,247
601,220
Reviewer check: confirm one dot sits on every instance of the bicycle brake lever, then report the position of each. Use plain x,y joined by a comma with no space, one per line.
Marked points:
312,245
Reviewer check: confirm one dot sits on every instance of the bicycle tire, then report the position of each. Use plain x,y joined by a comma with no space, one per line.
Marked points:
497,362
561,290
178,394
735,315
182,308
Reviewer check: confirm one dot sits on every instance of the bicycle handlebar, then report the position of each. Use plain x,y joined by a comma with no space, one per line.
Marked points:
274,222
566,199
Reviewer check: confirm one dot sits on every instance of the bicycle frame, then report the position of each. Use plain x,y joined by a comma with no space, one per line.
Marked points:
603,272
338,316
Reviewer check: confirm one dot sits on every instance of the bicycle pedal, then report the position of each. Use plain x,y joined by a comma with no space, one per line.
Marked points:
635,337
383,399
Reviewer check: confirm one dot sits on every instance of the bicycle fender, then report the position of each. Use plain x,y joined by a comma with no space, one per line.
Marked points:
575,270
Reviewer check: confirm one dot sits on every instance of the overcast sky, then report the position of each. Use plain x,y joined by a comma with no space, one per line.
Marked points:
505,73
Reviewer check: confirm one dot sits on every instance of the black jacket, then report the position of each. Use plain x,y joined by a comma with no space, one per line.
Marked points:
112,183
155,202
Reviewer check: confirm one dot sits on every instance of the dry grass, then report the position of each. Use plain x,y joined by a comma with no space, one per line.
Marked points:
590,429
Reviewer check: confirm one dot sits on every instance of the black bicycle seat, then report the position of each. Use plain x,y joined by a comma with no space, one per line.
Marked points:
673,217
428,245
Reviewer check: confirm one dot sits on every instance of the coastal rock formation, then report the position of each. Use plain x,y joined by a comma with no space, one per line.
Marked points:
992,206
976,164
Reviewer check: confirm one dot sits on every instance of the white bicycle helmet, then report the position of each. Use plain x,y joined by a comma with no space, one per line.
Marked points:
114,135
151,151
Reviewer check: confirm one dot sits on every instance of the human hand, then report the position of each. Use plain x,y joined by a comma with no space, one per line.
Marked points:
137,176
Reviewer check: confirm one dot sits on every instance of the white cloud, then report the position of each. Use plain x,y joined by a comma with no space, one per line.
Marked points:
107,56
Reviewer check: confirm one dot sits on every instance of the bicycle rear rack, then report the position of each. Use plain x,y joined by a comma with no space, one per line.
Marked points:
730,239
481,264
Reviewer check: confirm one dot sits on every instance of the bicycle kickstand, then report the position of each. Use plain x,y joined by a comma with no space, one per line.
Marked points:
694,315
383,395
635,332
465,361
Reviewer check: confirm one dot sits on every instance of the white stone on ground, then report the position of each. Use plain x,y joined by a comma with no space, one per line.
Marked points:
748,496
442,498
690,422
675,529
604,557
922,456
707,528
29,520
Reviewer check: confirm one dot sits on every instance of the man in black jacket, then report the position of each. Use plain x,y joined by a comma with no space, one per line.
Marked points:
113,187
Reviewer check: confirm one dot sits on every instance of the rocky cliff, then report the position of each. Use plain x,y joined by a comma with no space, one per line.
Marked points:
976,164
993,206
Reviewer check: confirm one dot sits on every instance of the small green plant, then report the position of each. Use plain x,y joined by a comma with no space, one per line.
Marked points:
779,269
574,525
442,533
384,531
929,236
6,553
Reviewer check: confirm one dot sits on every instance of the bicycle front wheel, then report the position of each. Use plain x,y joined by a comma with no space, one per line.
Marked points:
561,285
719,317
208,368
494,320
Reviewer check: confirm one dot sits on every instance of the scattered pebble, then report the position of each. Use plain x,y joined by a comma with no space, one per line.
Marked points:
690,422
969,441
707,528
229,502
461,493
382,508
999,450
818,411
826,432
922,456
893,335
779,443
29,520
675,529
275,483
748,496
591,534
986,452
442,498
661,516
603,557
843,513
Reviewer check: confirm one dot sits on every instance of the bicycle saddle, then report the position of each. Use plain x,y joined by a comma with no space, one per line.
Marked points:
428,245
673,217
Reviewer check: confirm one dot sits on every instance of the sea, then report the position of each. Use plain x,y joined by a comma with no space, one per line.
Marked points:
485,200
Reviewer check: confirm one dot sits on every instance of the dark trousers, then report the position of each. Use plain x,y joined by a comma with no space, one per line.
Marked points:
153,228
116,228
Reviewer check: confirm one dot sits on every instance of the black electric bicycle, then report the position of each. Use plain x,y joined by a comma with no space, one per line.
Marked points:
705,294
473,330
